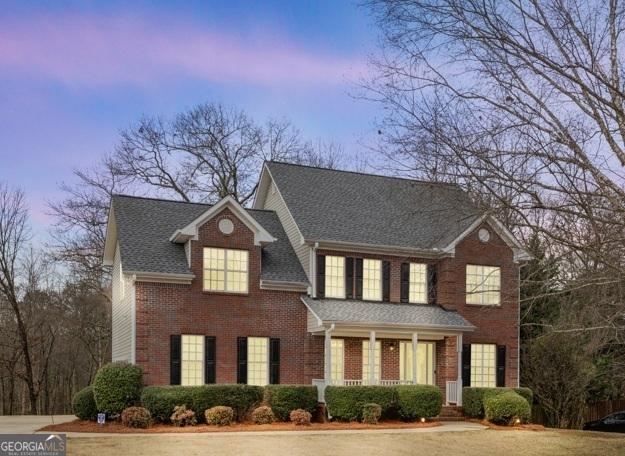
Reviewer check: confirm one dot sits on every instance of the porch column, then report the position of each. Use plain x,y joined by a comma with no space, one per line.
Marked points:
372,380
327,374
415,344
459,359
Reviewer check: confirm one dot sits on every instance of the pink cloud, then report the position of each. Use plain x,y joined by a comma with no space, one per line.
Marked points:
87,51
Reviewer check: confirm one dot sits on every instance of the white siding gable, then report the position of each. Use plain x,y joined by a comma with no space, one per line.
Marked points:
123,297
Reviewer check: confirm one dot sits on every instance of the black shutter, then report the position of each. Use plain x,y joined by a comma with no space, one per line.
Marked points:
432,279
466,364
386,281
242,360
349,278
321,276
405,282
358,274
175,350
501,365
209,359
274,361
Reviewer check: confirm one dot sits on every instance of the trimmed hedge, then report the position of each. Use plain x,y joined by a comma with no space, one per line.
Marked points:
283,399
371,413
506,408
161,400
345,403
117,386
419,401
83,404
473,398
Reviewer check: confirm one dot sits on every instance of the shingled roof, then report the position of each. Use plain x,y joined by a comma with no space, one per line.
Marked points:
351,207
351,312
145,225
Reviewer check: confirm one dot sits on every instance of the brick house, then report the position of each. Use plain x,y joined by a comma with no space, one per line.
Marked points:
333,277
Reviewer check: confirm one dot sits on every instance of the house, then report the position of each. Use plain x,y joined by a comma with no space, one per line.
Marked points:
332,277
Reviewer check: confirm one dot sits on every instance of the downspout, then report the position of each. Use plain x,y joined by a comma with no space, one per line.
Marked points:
313,269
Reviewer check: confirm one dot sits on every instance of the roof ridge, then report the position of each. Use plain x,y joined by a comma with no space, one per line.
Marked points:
166,200
361,173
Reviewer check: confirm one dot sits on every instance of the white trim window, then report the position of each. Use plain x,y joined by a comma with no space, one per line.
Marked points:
365,361
258,361
338,361
426,352
192,361
226,270
335,277
483,365
483,285
418,284
371,280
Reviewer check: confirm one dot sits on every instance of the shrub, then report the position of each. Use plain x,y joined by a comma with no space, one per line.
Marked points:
83,404
419,401
473,398
136,417
345,402
300,417
371,413
161,400
220,415
263,415
284,398
506,408
117,386
182,416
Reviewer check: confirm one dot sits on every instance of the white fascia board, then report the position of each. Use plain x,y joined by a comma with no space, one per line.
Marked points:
376,249
110,242
161,277
264,181
261,235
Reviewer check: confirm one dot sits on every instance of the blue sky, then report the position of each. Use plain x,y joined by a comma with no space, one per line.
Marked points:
72,74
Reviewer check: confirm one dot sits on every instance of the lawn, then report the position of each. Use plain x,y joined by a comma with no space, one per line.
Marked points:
477,443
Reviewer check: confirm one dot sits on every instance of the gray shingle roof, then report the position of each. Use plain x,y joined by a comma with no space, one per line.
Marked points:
385,313
145,225
345,206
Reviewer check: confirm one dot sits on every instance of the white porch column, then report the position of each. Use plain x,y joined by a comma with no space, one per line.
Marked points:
327,373
372,380
459,357
415,344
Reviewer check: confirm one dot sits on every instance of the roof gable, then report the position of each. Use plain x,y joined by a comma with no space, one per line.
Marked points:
190,231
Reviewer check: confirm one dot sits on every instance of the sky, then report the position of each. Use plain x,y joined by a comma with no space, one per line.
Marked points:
73,74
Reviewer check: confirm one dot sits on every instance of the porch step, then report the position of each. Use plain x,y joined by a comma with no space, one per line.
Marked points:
451,412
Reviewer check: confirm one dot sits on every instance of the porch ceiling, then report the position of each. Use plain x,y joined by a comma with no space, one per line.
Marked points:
351,315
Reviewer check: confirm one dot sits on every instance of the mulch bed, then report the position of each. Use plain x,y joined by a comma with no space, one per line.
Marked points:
115,427
519,427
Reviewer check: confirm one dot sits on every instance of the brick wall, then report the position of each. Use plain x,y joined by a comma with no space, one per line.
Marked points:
165,309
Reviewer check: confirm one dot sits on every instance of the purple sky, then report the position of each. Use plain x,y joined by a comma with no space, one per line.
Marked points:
72,74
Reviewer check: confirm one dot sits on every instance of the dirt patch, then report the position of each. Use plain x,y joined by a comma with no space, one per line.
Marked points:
114,427
518,427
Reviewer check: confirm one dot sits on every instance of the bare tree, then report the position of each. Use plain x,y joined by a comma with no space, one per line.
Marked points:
14,235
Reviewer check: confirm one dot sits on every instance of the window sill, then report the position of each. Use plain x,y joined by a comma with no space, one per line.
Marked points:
225,293
482,305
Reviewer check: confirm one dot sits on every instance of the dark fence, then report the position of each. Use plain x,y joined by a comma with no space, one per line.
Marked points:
591,413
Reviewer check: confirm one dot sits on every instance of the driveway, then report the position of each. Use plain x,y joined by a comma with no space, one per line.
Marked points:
28,424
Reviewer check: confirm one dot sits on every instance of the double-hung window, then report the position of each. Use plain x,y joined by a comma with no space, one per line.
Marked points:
192,361
337,361
335,277
418,285
225,270
425,362
371,280
483,285
365,361
257,361
483,365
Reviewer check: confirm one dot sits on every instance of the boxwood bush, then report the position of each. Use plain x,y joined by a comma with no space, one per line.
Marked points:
473,398
283,399
83,404
161,400
505,408
419,401
345,403
117,386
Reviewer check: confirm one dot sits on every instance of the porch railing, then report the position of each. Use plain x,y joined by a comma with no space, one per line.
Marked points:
451,392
